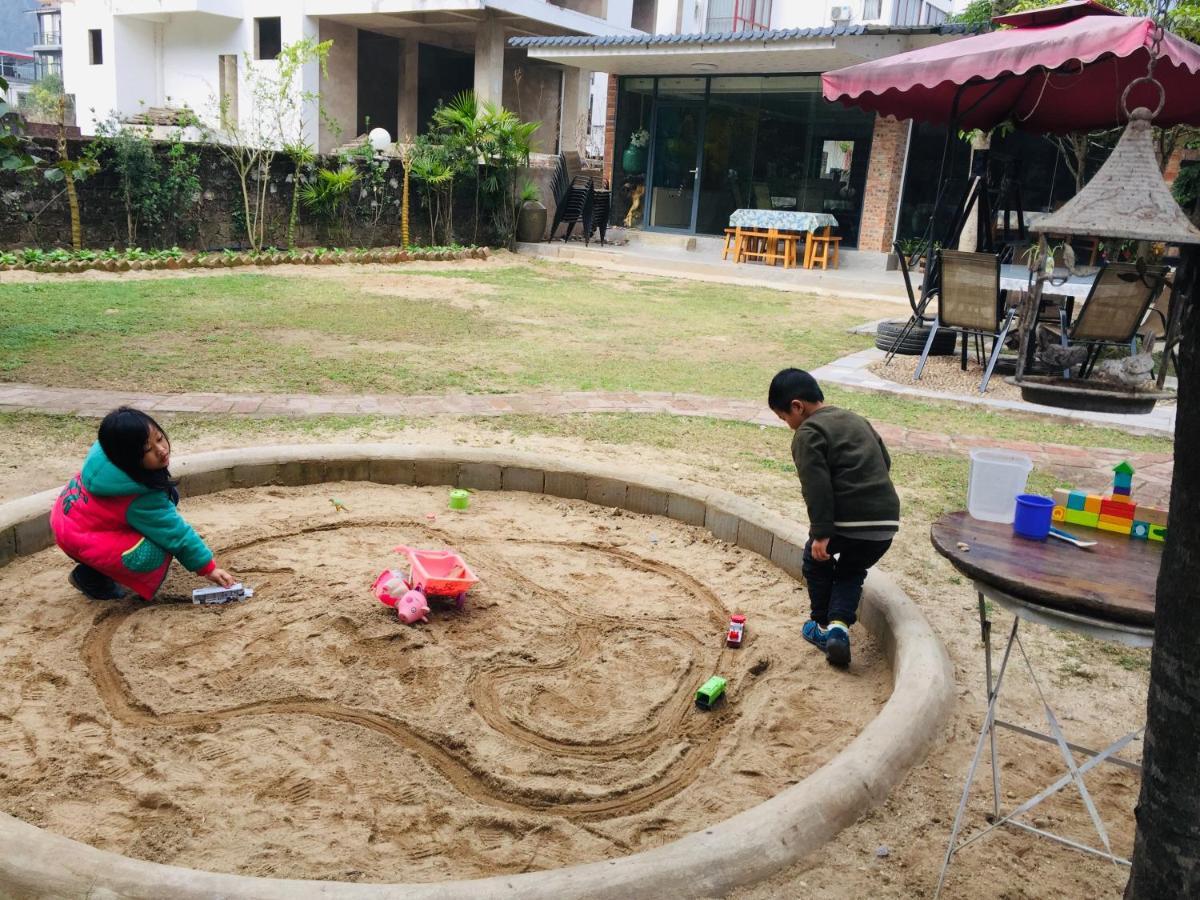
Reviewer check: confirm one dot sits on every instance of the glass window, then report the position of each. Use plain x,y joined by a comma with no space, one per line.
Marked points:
95,47
872,9
269,38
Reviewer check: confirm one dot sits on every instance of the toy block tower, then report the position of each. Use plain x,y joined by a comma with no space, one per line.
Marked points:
1117,512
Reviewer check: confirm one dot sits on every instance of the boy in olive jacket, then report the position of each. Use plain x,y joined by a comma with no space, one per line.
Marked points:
853,509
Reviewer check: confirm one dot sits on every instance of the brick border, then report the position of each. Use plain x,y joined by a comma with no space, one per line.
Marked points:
741,850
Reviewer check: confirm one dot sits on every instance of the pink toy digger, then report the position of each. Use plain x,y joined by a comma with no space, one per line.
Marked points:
432,573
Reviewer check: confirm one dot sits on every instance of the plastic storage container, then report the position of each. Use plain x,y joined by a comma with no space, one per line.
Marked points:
997,477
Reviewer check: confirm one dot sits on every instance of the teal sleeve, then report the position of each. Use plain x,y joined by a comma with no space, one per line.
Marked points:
154,516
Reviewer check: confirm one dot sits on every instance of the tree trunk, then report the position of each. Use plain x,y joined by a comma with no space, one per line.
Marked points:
73,203
295,213
1166,853
404,233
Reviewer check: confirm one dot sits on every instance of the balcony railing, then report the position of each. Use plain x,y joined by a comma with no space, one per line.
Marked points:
47,65
725,16
49,39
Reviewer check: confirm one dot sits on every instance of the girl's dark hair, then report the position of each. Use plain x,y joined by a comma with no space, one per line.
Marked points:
793,384
123,436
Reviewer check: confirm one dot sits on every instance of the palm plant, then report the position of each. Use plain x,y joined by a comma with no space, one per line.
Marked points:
327,193
436,167
464,136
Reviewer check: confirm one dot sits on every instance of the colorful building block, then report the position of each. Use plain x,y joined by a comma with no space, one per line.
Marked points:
1141,531
1092,503
1119,491
1123,481
1151,514
1158,532
1116,509
1123,468
1059,514
1121,498
1060,496
1115,523
1082,517
1076,500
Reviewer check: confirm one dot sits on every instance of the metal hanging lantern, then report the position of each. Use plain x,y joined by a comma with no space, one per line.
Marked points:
1127,198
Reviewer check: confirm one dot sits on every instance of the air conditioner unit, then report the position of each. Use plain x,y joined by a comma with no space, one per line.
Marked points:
840,13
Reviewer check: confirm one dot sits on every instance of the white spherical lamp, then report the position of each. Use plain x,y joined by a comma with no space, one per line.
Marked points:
379,139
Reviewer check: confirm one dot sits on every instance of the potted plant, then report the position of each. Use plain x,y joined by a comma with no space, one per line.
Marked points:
633,160
531,218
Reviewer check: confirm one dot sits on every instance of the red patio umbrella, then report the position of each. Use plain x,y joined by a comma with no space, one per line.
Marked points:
1063,69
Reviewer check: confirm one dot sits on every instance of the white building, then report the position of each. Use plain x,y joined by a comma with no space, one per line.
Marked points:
392,60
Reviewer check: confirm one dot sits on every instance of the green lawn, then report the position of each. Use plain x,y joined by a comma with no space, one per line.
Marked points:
484,328
479,328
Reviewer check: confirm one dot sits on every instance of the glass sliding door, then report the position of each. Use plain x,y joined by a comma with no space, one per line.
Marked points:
675,153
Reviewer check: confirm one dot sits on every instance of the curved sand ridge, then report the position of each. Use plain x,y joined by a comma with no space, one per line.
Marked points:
305,732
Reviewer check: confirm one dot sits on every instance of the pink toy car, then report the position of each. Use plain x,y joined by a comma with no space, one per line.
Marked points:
433,573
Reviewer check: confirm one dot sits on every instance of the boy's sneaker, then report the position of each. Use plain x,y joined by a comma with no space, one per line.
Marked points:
92,584
837,644
815,634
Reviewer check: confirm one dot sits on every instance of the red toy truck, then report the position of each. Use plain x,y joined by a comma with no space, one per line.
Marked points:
737,630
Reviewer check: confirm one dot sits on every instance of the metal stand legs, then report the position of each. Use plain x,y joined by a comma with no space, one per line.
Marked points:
1075,772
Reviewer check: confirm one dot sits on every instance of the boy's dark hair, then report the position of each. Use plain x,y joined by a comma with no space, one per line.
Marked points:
123,435
793,384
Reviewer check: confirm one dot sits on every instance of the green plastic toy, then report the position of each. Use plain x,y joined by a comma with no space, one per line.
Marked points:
710,692
460,499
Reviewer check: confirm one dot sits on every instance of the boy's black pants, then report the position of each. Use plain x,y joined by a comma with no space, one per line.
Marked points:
835,586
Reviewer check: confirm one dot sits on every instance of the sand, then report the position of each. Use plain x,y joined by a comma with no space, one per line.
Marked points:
307,733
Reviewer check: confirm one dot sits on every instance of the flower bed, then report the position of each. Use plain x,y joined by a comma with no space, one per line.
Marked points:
136,259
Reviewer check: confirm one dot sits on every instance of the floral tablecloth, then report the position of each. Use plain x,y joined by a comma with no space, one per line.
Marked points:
783,220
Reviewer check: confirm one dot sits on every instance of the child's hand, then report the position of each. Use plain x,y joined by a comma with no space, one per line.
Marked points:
820,550
221,577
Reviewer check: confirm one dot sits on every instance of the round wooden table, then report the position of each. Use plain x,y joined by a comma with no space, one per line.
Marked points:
1105,592
1112,583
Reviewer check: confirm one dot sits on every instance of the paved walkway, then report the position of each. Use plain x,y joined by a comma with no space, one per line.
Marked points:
853,371
1086,467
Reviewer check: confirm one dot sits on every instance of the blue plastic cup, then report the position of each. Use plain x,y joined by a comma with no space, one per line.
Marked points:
1033,517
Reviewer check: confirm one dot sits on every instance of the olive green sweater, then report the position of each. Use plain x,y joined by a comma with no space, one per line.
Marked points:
844,476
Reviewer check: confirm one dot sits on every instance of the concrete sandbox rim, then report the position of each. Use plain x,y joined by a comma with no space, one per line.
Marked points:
741,850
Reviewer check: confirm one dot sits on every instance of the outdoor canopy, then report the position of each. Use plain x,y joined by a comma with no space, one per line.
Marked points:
1059,77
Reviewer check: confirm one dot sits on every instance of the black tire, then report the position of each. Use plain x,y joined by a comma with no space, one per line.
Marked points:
914,341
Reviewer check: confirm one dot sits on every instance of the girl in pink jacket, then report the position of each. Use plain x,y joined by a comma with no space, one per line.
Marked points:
117,517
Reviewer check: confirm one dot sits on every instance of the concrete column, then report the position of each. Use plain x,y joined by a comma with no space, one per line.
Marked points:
489,61
577,88
885,177
339,92
406,120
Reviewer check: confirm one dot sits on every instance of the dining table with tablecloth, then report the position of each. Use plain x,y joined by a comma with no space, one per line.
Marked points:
775,224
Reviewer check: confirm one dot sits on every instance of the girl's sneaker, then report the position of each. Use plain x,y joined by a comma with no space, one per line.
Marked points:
93,584
815,634
837,644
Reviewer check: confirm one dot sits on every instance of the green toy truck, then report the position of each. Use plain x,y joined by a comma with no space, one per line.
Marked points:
710,692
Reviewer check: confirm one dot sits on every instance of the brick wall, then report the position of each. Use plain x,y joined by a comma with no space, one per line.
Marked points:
610,129
885,174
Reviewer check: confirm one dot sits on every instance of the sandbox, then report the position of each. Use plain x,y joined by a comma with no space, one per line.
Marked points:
541,741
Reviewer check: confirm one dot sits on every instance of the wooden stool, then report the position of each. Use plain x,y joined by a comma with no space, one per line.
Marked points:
730,241
791,249
818,249
751,244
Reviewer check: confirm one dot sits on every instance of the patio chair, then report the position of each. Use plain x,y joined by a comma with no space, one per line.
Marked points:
971,302
1115,309
595,215
572,210
919,318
